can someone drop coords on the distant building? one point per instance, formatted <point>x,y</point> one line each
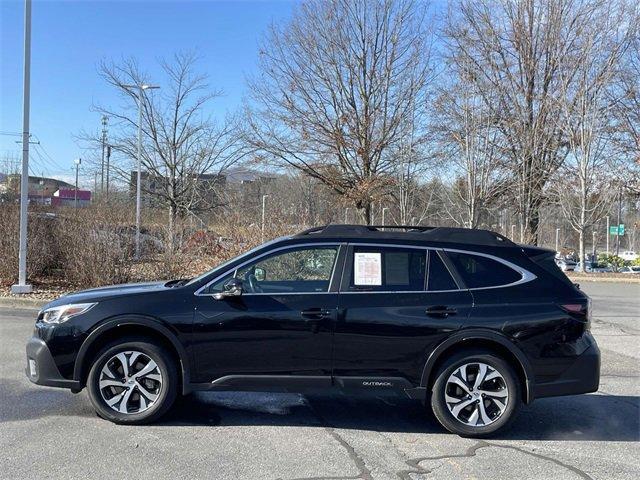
<point>207,185</point>
<point>66,197</point>
<point>41,189</point>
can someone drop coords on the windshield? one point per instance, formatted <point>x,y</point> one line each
<point>231,260</point>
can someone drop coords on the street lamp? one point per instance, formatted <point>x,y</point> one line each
<point>78,162</point>
<point>264,205</point>
<point>141,87</point>
<point>22,286</point>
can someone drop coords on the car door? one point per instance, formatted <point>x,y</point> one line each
<point>396,304</point>
<point>280,325</point>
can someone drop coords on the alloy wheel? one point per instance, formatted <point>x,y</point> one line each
<point>476,394</point>
<point>130,382</point>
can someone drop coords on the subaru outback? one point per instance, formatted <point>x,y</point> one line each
<point>463,320</point>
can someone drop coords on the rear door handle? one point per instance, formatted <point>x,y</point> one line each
<point>315,313</point>
<point>440,311</point>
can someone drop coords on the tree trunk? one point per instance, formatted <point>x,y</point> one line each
<point>173,213</point>
<point>581,248</point>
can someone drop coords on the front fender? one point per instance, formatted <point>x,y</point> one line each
<point>109,325</point>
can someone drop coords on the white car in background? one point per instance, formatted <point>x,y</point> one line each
<point>633,269</point>
<point>629,255</point>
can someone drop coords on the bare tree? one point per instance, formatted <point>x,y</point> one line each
<point>184,152</point>
<point>584,184</point>
<point>469,151</point>
<point>523,57</point>
<point>339,86</point>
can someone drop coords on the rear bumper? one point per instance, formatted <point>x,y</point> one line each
<point>42,370</point>
<point>583,376</point>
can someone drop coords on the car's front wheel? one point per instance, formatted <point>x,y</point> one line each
<point>132,382</point>
<point>475,394</point>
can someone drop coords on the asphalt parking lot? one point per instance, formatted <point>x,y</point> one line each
<point>51,433</point>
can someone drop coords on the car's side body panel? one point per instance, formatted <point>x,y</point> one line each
<point>361,339</point>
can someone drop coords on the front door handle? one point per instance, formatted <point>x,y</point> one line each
<point>315,313</point>
<point>440,311</point>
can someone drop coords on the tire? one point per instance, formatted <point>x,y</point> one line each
<point>117,395</point>
<point>475,412</point>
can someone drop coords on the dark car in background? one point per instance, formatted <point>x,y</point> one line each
<point>464,320</point>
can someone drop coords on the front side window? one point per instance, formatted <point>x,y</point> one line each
<point>302,270</point>
<point>479,271</point>
<point>387,269</point>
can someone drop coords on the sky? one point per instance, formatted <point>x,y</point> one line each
<point>71,38</point>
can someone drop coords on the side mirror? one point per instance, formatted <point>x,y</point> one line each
<point>260,274</point>
<point>232,288</point>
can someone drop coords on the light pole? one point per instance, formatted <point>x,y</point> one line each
<point>22,286</point>
<point>104,145</point>
<point>141,88</point>
<point>78,162</point>
<point>264,206</point>
<point>557,238</point>
<point>619,219</point>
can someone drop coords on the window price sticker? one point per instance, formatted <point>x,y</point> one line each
<point>367,269</point>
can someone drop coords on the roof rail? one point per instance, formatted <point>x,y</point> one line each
<point>434,234</point>
<point>349,228</point>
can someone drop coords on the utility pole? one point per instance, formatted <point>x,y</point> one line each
<point>104,146</point>
<point>141,88</point>
<point>619,219</point>
<point>108,159</point>
<point>75,196</point>
<point>42,188</point>
<point>22,286</point>
<point>264,205</point>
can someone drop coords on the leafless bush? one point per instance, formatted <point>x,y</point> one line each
<point>93,248</point>
<point>42,249</point>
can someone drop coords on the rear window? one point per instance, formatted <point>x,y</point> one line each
<point>388,269</point>
<point>478,271</point>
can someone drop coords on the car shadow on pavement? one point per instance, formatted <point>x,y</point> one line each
<point>576,418</point>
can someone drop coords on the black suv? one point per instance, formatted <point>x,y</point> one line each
<point>464,319</point>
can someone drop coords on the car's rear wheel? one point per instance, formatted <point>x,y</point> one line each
<point>475,394</point>
<point>132,382</point>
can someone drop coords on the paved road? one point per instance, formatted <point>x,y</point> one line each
<point>51,433</point>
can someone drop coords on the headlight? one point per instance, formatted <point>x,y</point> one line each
<point>64,312</point>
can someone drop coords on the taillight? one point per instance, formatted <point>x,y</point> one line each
<point>580,310</point>
<point>573,308</point>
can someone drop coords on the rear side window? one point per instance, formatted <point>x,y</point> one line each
<point>439,276</point>
<point>388,269</point>
<point>478,271</point>
<point>548,263</point>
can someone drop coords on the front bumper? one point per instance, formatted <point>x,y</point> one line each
<point>42,370</point>
<point>583,376</point>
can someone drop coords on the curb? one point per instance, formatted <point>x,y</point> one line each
<point>15,302</point>
<point>628,281</point>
